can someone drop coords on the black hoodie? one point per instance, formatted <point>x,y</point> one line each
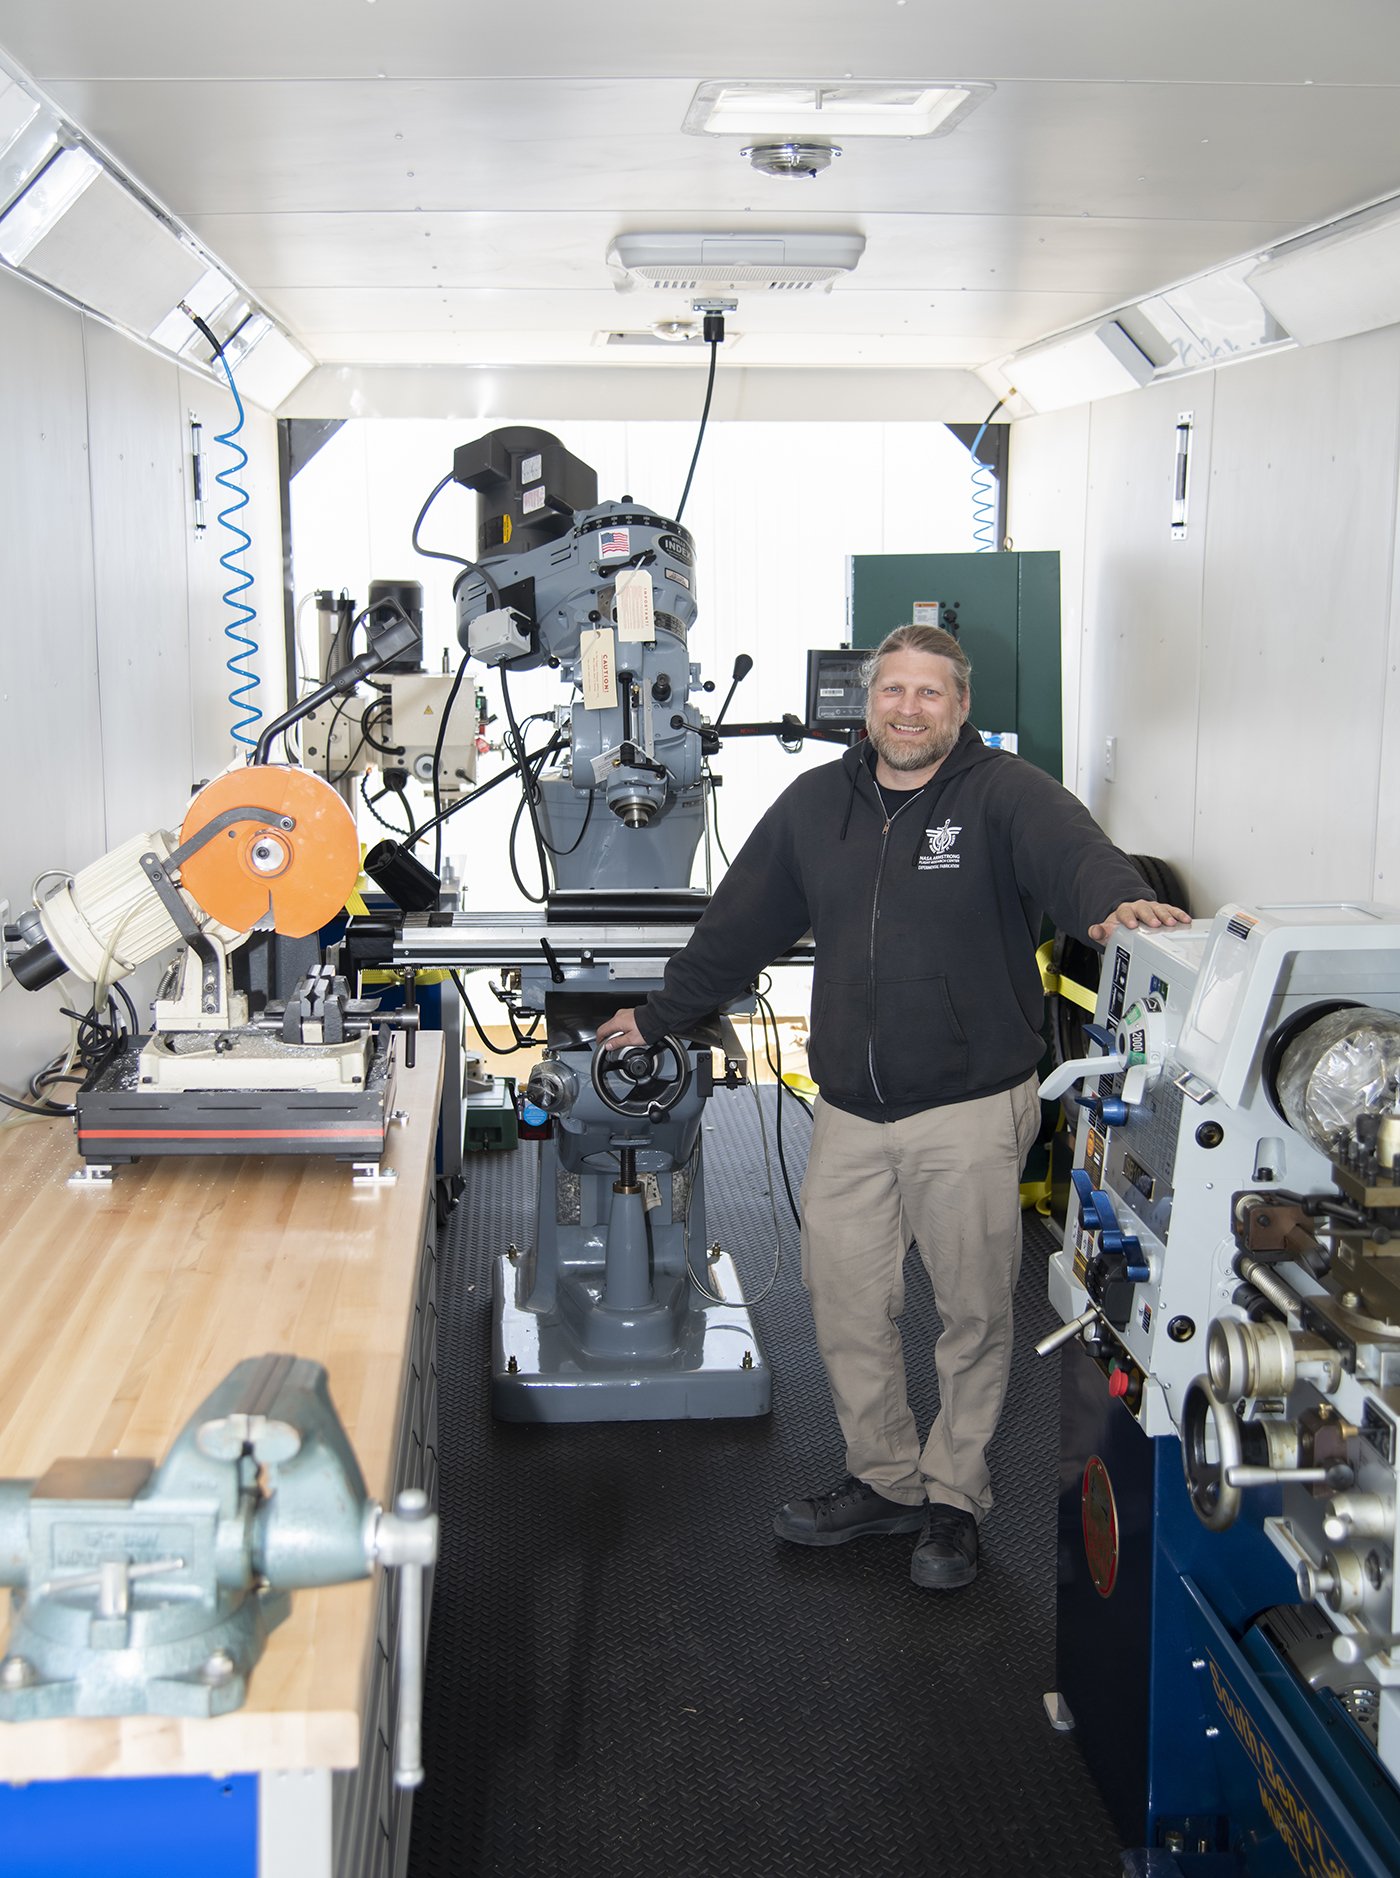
<point>926,926</point>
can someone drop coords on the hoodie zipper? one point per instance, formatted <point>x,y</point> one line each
<point>890,820</point>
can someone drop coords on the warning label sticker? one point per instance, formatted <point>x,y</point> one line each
<point>598,669</point>
<point>614,544</point>
<point>925,613</point>
<point>532,499</point>
<point>634,605</point>
<point>531,469</point>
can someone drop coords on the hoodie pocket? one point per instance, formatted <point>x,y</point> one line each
<point>840,1036</point>
<point>921,1050</point>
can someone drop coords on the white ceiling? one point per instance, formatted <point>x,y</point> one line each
<point>418,182</point>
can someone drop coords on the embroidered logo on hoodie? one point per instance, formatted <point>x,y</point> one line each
<point>940,844</point>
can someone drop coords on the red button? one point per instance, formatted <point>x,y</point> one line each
<point>1118,1382</point>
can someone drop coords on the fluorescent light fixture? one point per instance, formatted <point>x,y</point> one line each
<point>17,112</point>
<point>273,371</point>
<point>47,199</point>
<point>1340,281</point>
<point>919,107</point>
<point>241,341</point>
<point>776,262</point>
<point>1095,364</point>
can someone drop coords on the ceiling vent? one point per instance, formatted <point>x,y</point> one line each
<point>770,263</point>
<point>765,107</point>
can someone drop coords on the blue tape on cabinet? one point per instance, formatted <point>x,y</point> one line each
<point>176,1826</point>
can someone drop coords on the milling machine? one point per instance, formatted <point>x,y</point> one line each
<point>621,1310</point>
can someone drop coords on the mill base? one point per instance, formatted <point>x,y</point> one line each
<point>539,1372</point>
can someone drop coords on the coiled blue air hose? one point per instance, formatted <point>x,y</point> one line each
<point>244,615</point>
<point>984,493</point>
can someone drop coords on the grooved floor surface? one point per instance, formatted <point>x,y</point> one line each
<point>628,1674</point>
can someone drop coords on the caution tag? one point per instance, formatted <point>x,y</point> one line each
<point>603,767</point>
<point>651,1192</point>
<point>635,618</point>
<point>598,669</point>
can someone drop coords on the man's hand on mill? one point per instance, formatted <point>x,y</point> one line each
<point>620,1031</point>
<point>1132,914</point>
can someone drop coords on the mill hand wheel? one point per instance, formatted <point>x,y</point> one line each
<point>631,1081</point>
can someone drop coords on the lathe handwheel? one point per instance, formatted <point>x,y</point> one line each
<point>650,1090</point>
<point>1213,1500</point>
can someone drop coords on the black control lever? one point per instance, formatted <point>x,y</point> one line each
<point>631,758</point>
<point>743,665</point>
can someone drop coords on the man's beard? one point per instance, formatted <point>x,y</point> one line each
<point>899,755</point>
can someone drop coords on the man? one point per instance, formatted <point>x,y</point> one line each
<point>921,861</point>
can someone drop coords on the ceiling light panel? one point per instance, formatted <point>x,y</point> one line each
<point>17,111</point>
<point>1331,285</point>
<point>107,250</point>
<point>1215,317</point>
<point>31,218</point>
<point>773,263</point>
<point>1079,367</point>
<point>725,107</point>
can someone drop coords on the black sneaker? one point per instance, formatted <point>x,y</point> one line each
<point>847,1512</point>
<point>946,1555</point>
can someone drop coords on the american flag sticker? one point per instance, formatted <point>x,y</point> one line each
<point>613,542</point>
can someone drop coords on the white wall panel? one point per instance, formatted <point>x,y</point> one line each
<point>1142,623</point>
<point>1386,879</point>
<point>139,568</point>
<point>50,726</point>
<point>1251,674</point>
<point>1048,484</point>
<point>50,731</point>
<point>1294,633</point>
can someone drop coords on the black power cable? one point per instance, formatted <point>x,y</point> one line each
<point>531,791</point>
<point>714,332</point>
<point>437,756</point>
<point>458,560</point>
<point>766,1010</point>
<point>496,1049</point>
<point>714,817</point>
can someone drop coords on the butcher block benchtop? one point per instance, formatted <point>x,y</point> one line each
<point>120,1309</point>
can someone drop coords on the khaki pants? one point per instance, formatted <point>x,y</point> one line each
<point>949,1178</point>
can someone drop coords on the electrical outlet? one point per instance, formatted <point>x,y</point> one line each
<point>1110,759</point>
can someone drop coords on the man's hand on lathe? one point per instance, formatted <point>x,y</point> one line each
<point>620,1031</point>
<point>1132,914</point>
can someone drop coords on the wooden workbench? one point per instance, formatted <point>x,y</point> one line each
<point>121,1309</point>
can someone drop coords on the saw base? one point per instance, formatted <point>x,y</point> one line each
<point>120,1120</point>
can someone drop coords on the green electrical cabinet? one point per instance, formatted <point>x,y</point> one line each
<point>1007,611</point>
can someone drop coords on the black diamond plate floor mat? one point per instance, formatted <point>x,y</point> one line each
<point>628,1674</point>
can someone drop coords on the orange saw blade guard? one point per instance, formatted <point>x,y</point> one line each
<point>303,875</point>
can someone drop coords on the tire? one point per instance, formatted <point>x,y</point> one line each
<point>1163,879</point>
